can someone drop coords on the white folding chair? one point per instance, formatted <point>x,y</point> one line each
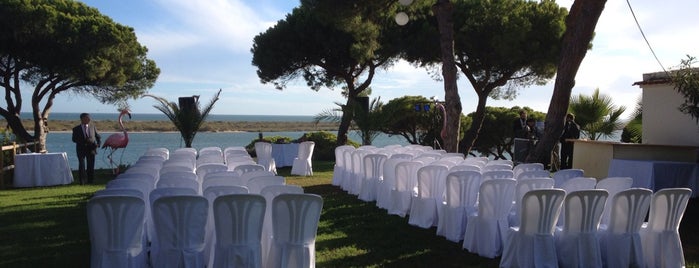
<point>526,167</point>
<point>577,243</point>
<point>373,174</point>
<point>154,195</point>
<point>211,193</point>
<point>489,167</point>
<point>115,241</point>
<point>431,184</point>
<point>264,156</point>
<point>388,182</point>
<point>238,221</point>
<point>528,174</point>
<point>177,182</point>
<point>347,182</point>
<point>302,165</point>
<point>180,225</point>
<point>574,185</point>
<point>176,167</point>
<point>462,195</point>
<point>270,192</point>
<point>161,152</point>
<point>210,168</point>
<point>222,181</point>
<point>295,220</point>
<point>500,161</point>
<point>532,244</point>
<point>497,174</point>
<point>256,184</point>
<point>406,182</point>
<point>521,188</point>
<point>620,241</point>
<point>357,171</point>
<point>246,168</point>
<point>252,174</point>
<point>613,185</point>
<point>465,167</point>
<point>119,192</point>
<point>563,175</point>
<point>662,246</point>
<point>485,229</point>
<point>339,167</point>
<point>180,174</point>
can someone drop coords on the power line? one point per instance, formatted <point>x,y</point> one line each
<point>644,36</point>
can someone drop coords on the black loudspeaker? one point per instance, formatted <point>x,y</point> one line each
<point>188,103</point>
<point>363,102</point>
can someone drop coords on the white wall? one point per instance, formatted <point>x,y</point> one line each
<point>663,123</point>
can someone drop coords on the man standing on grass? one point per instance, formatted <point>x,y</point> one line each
<point>571,130</point>
<point>87,140</point>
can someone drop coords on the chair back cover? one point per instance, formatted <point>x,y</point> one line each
<point>246,168</point>
<point>176,167</point>
<point>526,167</point>
<point>497,174</point>
<point>613,185</point>
<point>533,244</point>
<point>485,230</point>
<point>431,185</point>
<point>162,152</point>
<point>211,193</point>
<point>489,167</point>
<point>210,168</point>
<point>270,192</point>
<point>383,191</point>
<point>259,173</point>
<point>406,184</point>
<point>115,225</point>
<point>238,221</point>
<point>180,174</point>
<point>302,164</point>
<point>180,223</point>
<point>576,184</point>
<point>295,218</point>
<point>256,184</point>
<point>501,161</point>
<point>577,245</point>
<point>347,175</point>
<point>461,197</point>
<point>119,192</point>
<point>563,175</point>
<point>222,181</point>
<point>620,241</point>
<point>465,167</point>
<point>662,246</point>
<point>357,171</point>
<point>373,174</point>
<point>264,156</point>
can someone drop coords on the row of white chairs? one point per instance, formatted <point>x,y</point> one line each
<point>181,219</point>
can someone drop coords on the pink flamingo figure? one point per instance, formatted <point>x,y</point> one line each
<point>117,140</point>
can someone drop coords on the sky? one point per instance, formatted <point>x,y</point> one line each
<point>203,46</point>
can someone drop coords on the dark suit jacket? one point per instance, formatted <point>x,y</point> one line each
<point>84,144</point>
<point>518,129</point>
<point>571,130</point>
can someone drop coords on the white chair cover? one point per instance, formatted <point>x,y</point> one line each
<point>170,182</point>
<point>357,171</point>
<point>526,167</point>
<point>574,185</point>
<point>532,244</point>
<point>119,192</point>
<point>613,185</point>
<point>347,176</point>
<point>465,167</point>
<point>462,194</point>
<point>383,191</point>
<point>180,225</point>
<point>662,246</point>
<point>529,174</point>
<point>115,240</point>
<point>256,184</point>
<point>521,188</point>
<point>431,185</point>
<point>373,174</point>
<point>234,161</point>
<point>210,159</point>
<point>191,151</point>
<point>210,150</point>
<point>162,152</point>
<point>235,150</point>
<point>577,244</point>
<point>489,167</point>
<point>501,161</point>
<point>620,241</point>
<point>180,174</point>
<point>246,168</point>
<point>295,218</point>
<point>563,175</point>
<point>210,168</point>
<point>264,156</point>
<point>485,229</point>
<point>222,181</point>
<point>302,163</point>
<point>270,192</point>
<point>176,167</point>
<point>152,171</point>
<point>406,182</point>
<point>339,168</point>
<point>497,174</point>
<point>154,195</point>
<point>238,221</point>
<point>252,174</point>
<point>211,193</point>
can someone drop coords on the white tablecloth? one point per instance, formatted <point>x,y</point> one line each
<point>656,175</point>
<point>42,170</point>
<point>284,154</point>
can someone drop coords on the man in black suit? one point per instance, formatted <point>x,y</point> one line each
<point>519,126</point>
<point>87,140</point>
<point>571,130</point>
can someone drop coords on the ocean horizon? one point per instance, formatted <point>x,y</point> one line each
<point>162,117</point>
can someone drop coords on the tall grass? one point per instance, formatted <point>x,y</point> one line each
<point>47,227</point>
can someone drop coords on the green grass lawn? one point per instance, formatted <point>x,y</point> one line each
<point>47,227</point>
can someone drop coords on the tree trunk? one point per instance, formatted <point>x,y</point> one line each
<point>445,20</point>
<point>345,122</point>
<point>472,133</point>
<point>580,27</point>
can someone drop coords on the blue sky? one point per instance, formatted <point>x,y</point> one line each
<point>201,46</point>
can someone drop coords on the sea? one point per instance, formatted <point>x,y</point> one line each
<point>139,142</point>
